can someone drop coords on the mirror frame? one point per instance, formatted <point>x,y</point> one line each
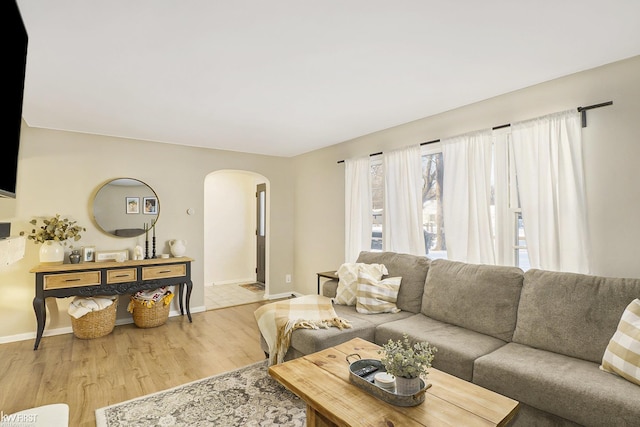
<point>120,211</point>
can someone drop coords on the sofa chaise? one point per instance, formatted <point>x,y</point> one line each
<point>536,336</point>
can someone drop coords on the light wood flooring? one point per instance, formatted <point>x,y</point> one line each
<point>128,363</point>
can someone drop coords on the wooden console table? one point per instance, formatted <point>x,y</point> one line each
<point>110,278</point>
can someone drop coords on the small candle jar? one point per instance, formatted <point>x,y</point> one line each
<point>385,381</point>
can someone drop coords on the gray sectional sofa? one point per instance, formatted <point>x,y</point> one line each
<point>536,336</point>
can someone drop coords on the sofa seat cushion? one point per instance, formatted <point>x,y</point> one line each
<point>352,314</point>
<point>572,314</point>
<point>457,347</point>
<point>482,298</point>
<point>528,416</point>
<point>413,270</point>
<point>570,388</point>
<point>308,341</point>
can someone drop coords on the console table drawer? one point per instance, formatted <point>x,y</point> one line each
<point>122,275</point>
<point>71,280</point>
<point>164,271</point>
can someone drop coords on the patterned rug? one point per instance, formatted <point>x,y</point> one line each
<point>245,397</point>
<point>254,287</point>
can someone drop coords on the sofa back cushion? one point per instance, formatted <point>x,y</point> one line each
<point>572,314</point>
<point>413,270</point>
<point>482,298</point>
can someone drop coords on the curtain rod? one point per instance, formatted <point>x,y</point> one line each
<point>582,110</point>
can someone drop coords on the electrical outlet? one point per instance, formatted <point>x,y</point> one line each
<point>287,278</point>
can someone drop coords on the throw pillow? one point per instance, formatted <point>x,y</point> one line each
<point>348,280</point>
<point>378,296</point>
<point>622,355</point>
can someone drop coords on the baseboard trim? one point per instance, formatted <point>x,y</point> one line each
<point>282,295</point>
<point>69,329</point>
<point>234,281</point>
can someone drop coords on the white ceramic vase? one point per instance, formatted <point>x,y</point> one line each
<point>407,386</point>
<point>51,253</point>
<point>178,247</point>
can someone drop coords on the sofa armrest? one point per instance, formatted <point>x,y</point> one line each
<point>329,288</point>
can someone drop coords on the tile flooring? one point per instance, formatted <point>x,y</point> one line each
<point>219,296</point>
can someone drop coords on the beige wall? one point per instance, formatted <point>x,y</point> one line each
<point>59,172</point>
<point>612,150</point>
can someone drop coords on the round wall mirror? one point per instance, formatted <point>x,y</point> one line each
<point>124,206</point>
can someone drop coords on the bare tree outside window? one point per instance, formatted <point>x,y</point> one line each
<point>377,201</point>
<point>434,231</point>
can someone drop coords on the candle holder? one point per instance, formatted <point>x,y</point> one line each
<point>146,241</point>
<point>153,239</point>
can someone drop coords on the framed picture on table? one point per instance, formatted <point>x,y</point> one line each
<point>88,253</point>
<point>119,256</point>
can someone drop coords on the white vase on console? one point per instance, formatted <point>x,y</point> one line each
<point>51,253</point>
<point>178,247</point>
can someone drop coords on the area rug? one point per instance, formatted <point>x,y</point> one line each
<point>254,287</point>
<point>245,397</point>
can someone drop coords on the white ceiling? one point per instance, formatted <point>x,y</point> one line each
<point>284,77</point>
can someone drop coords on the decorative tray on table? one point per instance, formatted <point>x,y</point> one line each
<point>360,376</point>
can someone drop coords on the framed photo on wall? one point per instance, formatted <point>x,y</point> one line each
<point>150,205</point>
<point>133,205</point>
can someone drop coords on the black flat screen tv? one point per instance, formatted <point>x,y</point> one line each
<point>15,64</point>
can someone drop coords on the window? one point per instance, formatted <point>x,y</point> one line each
<point>433,223</point>
<point>432,219</point>
<point>520,244</point>
<point>518,240</point>
<point>513,240</point>
<point>377,201</point>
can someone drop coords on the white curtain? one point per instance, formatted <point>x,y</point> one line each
<point>403,231</point>
<point>466,197</point>
<point>549,168</point>
<point>357,207</point>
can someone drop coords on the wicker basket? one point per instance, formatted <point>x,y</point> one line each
<point>149,317</point>
<point>95,324</point>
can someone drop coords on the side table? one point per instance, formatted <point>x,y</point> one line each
<point>326,275</point>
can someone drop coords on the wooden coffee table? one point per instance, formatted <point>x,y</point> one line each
<point>322,380</point>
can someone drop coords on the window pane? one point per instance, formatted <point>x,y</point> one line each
<point>432,220</point>
<point>262,210</point>
<point>522,255</point>
<point>377,201</point>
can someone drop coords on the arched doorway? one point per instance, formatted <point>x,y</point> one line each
<point>235,222</point>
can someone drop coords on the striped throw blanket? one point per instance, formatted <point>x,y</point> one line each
<point>278,320</point>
